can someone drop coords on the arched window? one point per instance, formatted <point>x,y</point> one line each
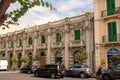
<point>77,34</point>
<point>20,42</point>
<point>58,37</point>
<point>4,44</point>
<point>12,44</point>
<point>42,39</point>
<point>30,41</point>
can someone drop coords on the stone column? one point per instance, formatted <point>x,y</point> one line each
<point>35,43</point>
<point>66,42</point>
<point>48,44</point>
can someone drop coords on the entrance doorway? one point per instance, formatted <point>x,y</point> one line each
<point>30,58</point>
<point>10,61</point>
<point>19,62</point>
<point>111,61</point>
<point>42,61</point>
<point>58,57</point>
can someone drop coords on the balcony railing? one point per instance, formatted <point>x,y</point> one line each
<point>111,38</point>
<point>3,49</point>
<point>105,13</point>
<point>29,47</point>
<point>10,48</point>
<point>18,47</point>
<point>57,44</point>
<point>77,43</point>
<point>42,46</point>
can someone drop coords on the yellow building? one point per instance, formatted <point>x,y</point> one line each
<point>57,41</point>
<point>107,32</point>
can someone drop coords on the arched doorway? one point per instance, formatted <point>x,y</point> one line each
<point>10,61</point>
<point>58,57</point>
<point>19,62</point>
<point>30,58</point>
<point>3,54</point>
<point>42,61</point>
<point>110,61</point>
<point>75,60</point>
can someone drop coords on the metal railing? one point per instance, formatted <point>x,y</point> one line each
<point>105,13</point>
<point>77,43</point>
<point>111,38</point>
<point>57,44</point>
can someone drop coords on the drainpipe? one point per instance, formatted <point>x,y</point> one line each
<point>93,52</point>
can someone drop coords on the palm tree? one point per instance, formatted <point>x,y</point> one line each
<point>81,56</point>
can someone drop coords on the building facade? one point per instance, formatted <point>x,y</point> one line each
<point>107,32</point>
<point>57,41</point>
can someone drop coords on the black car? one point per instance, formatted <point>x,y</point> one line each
<point>112,74</point>
<point>51,70</point>
<point>28,69</point>
<point>81,71</point>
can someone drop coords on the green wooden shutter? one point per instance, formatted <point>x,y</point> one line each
<point>42,39</point>
<point>12,44</point>
<point>20,42</point>
<point>4,44</point>
<point>112,32</point>
<point>58,37</point>
<point>110,7</point>
<point>77,34</point>
<point>30,41</point>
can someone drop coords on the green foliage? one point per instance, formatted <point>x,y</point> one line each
<point>37,57</point>
<point>25,5</point>
<point>81,56</point>
<point>24,59</point>
<point>4,58</point>
<point>115,56</point>
<point>14,59</point>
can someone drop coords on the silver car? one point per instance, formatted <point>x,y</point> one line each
<point>79,71</point>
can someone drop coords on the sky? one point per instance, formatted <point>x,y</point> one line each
<point>65,8</point>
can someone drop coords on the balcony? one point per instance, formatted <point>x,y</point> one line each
<point>18,47</point>
<point>111,39</point>
<point>111,13</point>
<point>10,48</point>
<point>42,46</point>
<point>77,43</point>
<point>3,49</point>
<point>28,47</point>
<point>57,45</point>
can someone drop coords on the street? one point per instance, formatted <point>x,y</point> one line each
<point>22,76</point>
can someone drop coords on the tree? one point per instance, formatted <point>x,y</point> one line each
<point>36,57</point>
<point>24,59</point>
<point>116,56</point>
<point>14,60</point>
<point>17,13</point>
<point>81,56</point>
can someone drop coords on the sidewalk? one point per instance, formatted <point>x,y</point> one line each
<point>16,71</point>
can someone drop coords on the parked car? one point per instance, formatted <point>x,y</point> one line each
<point>79,71</point>
<point>111,74</point>
<point>51,70</point>
<point>28,69</point>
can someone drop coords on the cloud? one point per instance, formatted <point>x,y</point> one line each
<point>65,8</point>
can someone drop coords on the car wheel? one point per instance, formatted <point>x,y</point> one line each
<point>62,76</point>
<point>29,72</point>
<point>82,75</point>
<point>53,75</point>
<point>36,74</point>
<point>106,77</point>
